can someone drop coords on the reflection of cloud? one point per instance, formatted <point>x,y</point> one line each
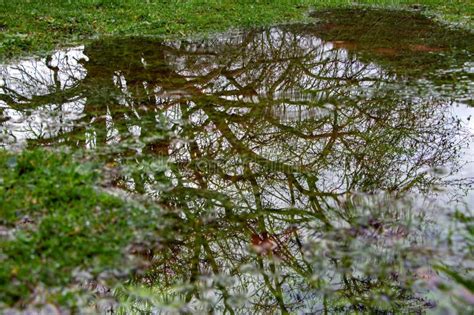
<point>36,82</point>
<point>466,116</point>
<point>32,77</point>
<point>41,123</point>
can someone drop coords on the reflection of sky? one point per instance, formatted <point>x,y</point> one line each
<point>64,70</point>
<point>40,123</point>
<point>34,77</point>
<point>466,115</point>
<point>39,77</point>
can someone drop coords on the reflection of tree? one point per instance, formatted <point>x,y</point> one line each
<point>271,131</point>
<point>42,97</point>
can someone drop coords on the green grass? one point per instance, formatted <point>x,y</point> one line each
<point>29,26</point>
<point>54,220</point>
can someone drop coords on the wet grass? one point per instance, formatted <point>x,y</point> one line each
<point>39,26</point>
<point>419,45</point>
<point>55,227</point>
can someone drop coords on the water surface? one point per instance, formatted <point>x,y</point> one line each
<point>300,165</point>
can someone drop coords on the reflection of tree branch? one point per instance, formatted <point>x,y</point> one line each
<point>230,102</point>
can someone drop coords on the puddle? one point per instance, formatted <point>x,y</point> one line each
<point>279,151</point>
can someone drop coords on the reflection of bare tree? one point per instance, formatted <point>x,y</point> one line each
<point>271,131</point>
<point>41,99</point>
